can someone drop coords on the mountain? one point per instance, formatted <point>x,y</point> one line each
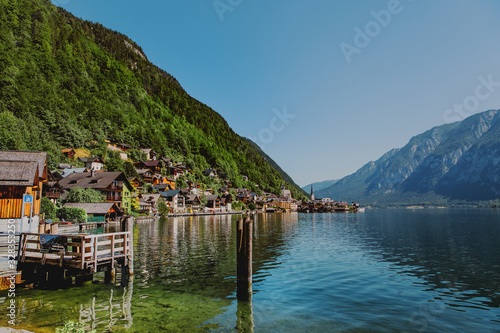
<point>70,83</point>
<point>319,185</point>
<point>275,165</point>
<point>449,163</point>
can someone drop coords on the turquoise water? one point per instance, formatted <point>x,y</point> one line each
<point>434,270</point>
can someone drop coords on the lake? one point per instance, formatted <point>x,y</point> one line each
<point>432,270</point>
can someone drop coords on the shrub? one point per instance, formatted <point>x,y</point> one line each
<point>85,195</point>
<point>48,208</point>
<point>71,213</point>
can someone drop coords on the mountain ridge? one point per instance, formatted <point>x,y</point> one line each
<point>319,185</point>
<point>448,163</point>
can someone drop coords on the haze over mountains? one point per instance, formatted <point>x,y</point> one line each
<point>446,164</point>
<point>319,185</point>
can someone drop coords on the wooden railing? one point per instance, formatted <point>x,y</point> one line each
<point>79,251</point>
<point>53,195</point>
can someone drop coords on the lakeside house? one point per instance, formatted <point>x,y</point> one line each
<point>92,163</point>
<point>150,154</point>
<point>287,194</point>
<point>135,182</point>
<point>149,203</point>
<point>175,199</point>
<point>210,173</point>
<point>122,153</point>
<point>69,153</point>
<point>113,185</point>
<point>68,171</point>
<point>193,202</point>
<point>21,172</point>
<point>51,189</point>
<point>108,211</point>
<point>146,175</point>
<point>155,166</point>
<point>162,187</point>
<point>213,202</point>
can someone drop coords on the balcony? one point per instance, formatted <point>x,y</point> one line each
<point>113,198</point>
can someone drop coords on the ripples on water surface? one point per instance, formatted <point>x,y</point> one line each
<point>379,271</point>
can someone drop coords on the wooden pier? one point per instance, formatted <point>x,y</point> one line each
<point>48,259</point>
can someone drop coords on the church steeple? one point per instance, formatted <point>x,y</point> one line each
<point>312,193</point>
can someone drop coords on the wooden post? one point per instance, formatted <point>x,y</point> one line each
<point>244,238</point>
<point>110,275</point>
<point>54,228</point>
<point>128,263</point>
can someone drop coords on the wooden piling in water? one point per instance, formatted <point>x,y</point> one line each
<point>128,226</point>
<point>244,239</point>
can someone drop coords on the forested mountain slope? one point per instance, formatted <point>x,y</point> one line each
<point>70,83</point>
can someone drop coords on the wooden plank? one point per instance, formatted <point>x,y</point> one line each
<point>31,250</point>
<point>104,252</point>
<point>25,244</point>
<point>112,252</point>
<point>95,255</point>
<point>103,243</point>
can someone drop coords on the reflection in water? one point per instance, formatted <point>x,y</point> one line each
<point>381,271</point>
<point>190,265</point>
<point>98,306</point>
<point>244,314</point>
<point>113,314</point>
<point>457,255</point>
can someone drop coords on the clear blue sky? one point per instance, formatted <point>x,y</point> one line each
<point>321,98</point>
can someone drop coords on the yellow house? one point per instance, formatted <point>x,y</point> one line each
<point>21,173</point>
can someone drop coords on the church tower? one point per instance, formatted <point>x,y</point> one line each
<point>312,193</point>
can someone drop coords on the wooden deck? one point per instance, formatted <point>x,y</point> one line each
<point>85,253</point>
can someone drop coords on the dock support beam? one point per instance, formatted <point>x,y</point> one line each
<point>244,238</point>
<point>128,264</point>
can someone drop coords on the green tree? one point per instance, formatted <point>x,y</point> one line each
<point>203,199</point>
<point>48,208</point>
<point>162,208</point>
<point>85,195</point>
<point>238,205</point>
<point>72,213</point>
<point>129,170</point>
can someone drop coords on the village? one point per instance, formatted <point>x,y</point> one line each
<point>78,219</point>
<point>160,182</point>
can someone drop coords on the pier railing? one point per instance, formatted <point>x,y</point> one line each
<point>85,252</point>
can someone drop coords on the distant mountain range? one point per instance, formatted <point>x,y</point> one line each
<point>319,185</point>
<point>452,163</point>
